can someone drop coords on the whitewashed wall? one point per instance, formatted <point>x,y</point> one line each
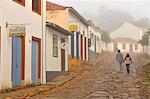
<point>54,63</point>
<point>14,13</point>
<point>98,43</point>
<point>74,20</point>
<point>94,32</point>
<point>127,47</point>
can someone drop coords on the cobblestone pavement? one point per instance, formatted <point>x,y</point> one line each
<point>103,81</point>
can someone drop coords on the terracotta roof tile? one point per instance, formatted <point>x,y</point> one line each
<point>53,6</point>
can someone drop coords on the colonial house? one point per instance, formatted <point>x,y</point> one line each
<point>126,38</point>
<point>125,45</point>
<point>69,19</point>
<point>56,50</point>
<point>98,41</point>
<point>94,40</point>
<point>21,28</point>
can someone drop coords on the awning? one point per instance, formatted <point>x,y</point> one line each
<point>57,28</point>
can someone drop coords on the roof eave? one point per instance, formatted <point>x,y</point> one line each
<point>57,28</point>
<point>78,15</point>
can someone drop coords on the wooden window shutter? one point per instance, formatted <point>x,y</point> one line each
<point>36,6</point>
<point>22,2</point>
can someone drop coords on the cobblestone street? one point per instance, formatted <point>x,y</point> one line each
<point>102,82</point>
<point>101,79</point>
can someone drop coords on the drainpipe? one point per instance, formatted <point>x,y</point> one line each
<point>43,42</point>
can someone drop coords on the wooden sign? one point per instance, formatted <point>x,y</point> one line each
<point>17,31</point>
<point>17,34</point>
<point>73,28</point>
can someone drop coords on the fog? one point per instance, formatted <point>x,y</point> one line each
<point>110,14</point>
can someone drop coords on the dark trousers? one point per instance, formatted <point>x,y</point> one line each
<point>128,66</point>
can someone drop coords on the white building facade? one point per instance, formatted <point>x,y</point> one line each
<point>94,35</point>
<point>68,17</point>
<point>80,36</point>
<point>98,40</point>
<point>56,49</point>
<point>22,25</point>
<point>126,38</point>
<point>125,45</point>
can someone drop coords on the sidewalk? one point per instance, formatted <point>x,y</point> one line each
<point>30,91</point>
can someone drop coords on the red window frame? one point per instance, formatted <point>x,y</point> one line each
<point>38,11</point>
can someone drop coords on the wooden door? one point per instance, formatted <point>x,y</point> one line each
<point>16,60</point>
<point>72,44</point>
<point>77,45</point>
<point>63,55</point>
<point>63,59</point>
<point>81,47</point>
<point>85,49</point>
<point>35,60</point>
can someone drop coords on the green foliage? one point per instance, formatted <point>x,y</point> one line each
<point>144,40</point>
<point>105,37</point>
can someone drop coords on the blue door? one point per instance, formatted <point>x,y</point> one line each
<point>72,44</point>
<point>35,56</point>
<point>77,44</point>
<point>16,60</point>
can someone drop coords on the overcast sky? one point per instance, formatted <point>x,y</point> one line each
<point>137,8</point>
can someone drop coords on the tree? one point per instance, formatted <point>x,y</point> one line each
<point>105,37</point>
<point>144,41</point>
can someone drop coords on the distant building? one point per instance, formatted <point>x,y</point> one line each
<point>125,45</point>
<point>94,35</point>
<point>92,40</point>
<point>98,40</point>
<point>126,38</point>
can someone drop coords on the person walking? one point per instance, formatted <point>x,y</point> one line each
<point>128,61</point>
<point>119,58</point>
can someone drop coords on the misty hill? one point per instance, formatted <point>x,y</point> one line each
<point>109,20</point>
